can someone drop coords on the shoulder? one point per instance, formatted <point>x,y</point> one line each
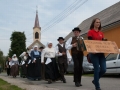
<point>90,31</point>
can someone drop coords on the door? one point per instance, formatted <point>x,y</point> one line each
<point>111,63</point>
<point>118,64</point>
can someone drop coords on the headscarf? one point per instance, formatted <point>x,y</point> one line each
<point>48,43</point>
<point>23,54</point>
<point>14,59</point>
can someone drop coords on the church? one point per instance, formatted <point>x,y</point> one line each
<point>36,34</point>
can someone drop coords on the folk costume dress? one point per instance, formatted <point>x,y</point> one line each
<point>36,67</point>
<point>51,67</point>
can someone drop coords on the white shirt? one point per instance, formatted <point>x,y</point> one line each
<point>48,53</point>
<point>60,54</point>
<point>68,44</point>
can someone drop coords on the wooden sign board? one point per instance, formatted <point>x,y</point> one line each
<point>95,46</point>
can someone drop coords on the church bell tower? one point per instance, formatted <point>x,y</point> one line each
<point>36,29</point>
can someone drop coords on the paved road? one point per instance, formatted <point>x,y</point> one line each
<point>107,83</point>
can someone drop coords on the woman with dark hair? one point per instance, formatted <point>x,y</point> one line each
<point>98,59</point>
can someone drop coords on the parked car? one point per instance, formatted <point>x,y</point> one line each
<point>113,63</point>
<point>87,67</point>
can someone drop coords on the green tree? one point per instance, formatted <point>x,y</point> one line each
<point>18,43</point>
<point>2,59</point>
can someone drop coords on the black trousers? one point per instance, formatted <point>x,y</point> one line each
<point>8,71</point>
<point>78,60</point>
<point>63,69</point>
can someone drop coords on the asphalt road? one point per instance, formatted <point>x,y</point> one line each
<point>107,83</point>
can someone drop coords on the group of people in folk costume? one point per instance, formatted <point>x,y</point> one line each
<point>44,65</point>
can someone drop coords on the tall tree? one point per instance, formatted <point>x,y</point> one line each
<point>18,43</point>
<point>2,59</point>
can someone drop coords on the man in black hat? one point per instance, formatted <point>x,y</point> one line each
<point>74,44</point>
<point>63,55</point>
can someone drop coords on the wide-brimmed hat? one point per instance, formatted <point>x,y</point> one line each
<point>76,29</point>
<point>60,38</point>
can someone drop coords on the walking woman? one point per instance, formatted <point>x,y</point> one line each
<point>51,68</point>
<point>23,64</point>
<point>98,59</point>
<point>14,66</point>
<point>36,64</point>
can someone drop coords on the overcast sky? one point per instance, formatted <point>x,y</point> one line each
<point>19,15</point>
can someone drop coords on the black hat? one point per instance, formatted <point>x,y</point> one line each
<point>76,29</point>
<point>60,38</point>
<point>41,47</point>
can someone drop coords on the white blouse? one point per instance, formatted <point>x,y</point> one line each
<point>68,43</point>
<point>60,54</point>
<point>48,53</point>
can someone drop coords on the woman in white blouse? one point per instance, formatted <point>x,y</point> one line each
<point>51,68</point>
<point>14,66</point>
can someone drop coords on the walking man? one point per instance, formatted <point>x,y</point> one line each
<point>74,43</point>
<point>63,55</point>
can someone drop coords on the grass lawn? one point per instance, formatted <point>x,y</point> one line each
<point>7,86</point>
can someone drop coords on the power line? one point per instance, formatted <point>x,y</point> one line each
<point>61,14</point>
<point>63,17</point>
<point>64,11</point>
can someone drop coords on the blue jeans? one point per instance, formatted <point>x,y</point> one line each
<point>99,62</point>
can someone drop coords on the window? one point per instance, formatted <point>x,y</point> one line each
<point>119,56</point>
<point>36,35</point>
<point>111,57</point>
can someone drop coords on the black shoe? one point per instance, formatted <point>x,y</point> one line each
<point>93,82</point>
<point>98,89</point>
<point>64,81</point>
<point>77,84</point>
<point>49,81</point>
<point>80,84</point>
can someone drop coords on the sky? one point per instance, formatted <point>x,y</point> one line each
<point>57,18</point>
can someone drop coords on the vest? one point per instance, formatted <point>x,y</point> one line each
<point>74,49</point>
<point>62,59</point>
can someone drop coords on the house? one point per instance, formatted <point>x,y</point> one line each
<point>110,21</point>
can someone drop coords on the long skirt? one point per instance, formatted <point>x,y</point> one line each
<point>34,70</point>
<point>23,70</point>
<point>51,71</point>
<point>14,70</point>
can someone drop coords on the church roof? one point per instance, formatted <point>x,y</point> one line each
<point>38,43</point>
<point>108,17</point>
<point>36,25</point>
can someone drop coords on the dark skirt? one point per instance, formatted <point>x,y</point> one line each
<point>34,70</point>
<point>23,70</point>
<point>14,70</point>
<point>51,70</point>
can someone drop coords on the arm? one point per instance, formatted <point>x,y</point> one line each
<point>68,55</point>
<point>68,44</point>
<point>32,54</point>
<point>57,51</point>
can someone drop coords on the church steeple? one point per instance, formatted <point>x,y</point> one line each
<point>36,29</point>
<point>36,25</point>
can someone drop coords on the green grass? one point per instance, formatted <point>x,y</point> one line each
<point>7,86</point>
